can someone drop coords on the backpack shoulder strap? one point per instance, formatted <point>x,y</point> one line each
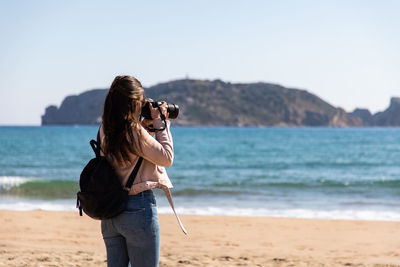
<point>134,172</point>
<point>96,144</point>
<point>98,140</point>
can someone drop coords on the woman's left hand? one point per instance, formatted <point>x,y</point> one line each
<point>155,113</point>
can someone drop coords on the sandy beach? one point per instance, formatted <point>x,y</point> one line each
<point>46,238</point>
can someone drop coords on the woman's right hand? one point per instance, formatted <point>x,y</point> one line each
<point>155,113</point>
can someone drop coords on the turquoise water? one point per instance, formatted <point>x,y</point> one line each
<point>347,173</point>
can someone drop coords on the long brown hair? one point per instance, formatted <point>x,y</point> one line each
<point>120,117</point>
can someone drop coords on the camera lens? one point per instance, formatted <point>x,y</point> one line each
<point>173,111</point>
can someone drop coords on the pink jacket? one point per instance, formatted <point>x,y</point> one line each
<point>157,153</point>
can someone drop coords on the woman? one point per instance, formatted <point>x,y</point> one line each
<point>133,236</point>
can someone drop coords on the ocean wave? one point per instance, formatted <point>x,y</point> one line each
<point>31,187</point>
<point>265,186</point>
<point>7,182</point>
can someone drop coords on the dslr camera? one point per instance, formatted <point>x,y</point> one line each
<point>172,109</point>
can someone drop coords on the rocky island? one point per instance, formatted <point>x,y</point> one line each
<point>218,103</point>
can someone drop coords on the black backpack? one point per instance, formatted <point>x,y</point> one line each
<point>101,194</point>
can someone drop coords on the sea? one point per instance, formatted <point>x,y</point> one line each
<point>332,173</point>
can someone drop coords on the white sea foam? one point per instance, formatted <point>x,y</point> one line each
<point>7,182</point>
<point>23,205</point>
<point>347,214</point>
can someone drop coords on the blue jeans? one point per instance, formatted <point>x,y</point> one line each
<point>134,235</point>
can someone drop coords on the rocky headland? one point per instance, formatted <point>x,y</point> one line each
<point>218,103</point>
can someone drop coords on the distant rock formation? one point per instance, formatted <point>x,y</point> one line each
<point>217,103</point>
<point>364,114</point>
<point>389,117</point>
<point>83,109</point>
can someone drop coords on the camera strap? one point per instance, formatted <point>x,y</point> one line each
<point>161,114</point>
<point>156,130</point>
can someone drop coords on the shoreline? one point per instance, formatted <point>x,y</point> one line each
<point>62,238</point>
<point>68,205</point>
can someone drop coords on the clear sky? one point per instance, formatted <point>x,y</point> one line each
<point>346,52</point>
